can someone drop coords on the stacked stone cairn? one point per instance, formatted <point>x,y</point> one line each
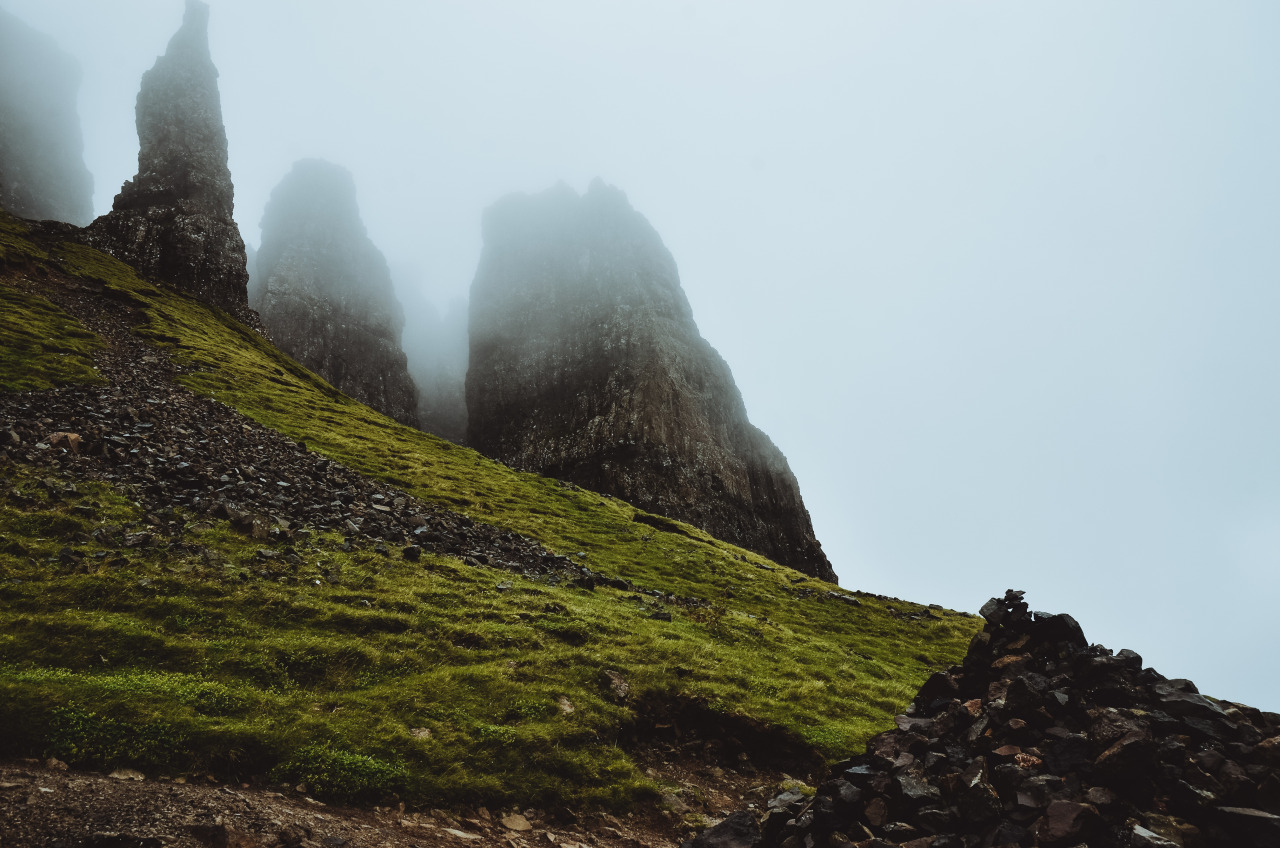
<point>1040,739</point>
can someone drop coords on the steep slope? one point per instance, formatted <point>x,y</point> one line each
<point>173,221</point>
<point>586,365</point>
<point>327,298</point>
<point>235,569</point>
<point>42,170</point>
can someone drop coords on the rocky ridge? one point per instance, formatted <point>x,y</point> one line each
<point>173,221</point>
<point>42,170</point>
<point>1040,739</point>
<point>586,365</point>
<point>326,293</point>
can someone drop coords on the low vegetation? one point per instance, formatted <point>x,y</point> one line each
<point>363,675</point>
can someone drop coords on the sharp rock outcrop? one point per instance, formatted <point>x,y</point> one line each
<point>173,221</point>
<point>42,170</point>
<point>1041,739</point>
<point>327,298</point>
<point>586,365</point>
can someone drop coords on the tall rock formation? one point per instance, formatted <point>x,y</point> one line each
<point>586,365</point>
<point>327,298</point>
<point>173,220</point>
<point>42,171</point>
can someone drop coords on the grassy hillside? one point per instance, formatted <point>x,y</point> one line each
<point>361,674</point>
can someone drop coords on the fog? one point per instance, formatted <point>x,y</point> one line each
<point>999,279</point>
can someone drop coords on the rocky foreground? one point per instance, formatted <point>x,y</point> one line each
<point>1040,739</point>
<point>46,804</point>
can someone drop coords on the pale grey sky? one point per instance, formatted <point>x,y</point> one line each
<point>999,278</point>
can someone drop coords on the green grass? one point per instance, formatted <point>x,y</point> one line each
<point>362,675</point>
<point>42,345</point>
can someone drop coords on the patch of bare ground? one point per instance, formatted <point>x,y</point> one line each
<point>49,805</point>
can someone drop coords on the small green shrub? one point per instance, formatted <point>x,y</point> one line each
<point>341,775</point>
<point>78,735</point>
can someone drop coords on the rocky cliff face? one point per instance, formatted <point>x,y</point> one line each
<point>173,220</point>
<point>327,298</point>
<point>586,365</point>
<point>42,171</point>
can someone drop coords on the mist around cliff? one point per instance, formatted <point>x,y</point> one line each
<point>998,281</point>
<point>437,352</point>
<point>42,170</point>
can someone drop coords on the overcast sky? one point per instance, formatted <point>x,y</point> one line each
<point>1000,278</point>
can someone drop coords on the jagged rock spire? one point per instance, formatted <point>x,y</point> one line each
<point>173,220</point>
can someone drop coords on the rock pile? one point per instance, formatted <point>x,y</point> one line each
<point>1040,739</point>
<point>42,170</point>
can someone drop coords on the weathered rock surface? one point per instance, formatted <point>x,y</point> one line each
<point>173,221</point>
<point>42,170</point>
<point>586,365</point>
<point>327,298</point>
<point>1040,739</point>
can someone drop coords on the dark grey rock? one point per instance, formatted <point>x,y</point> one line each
<point>738,830</point>
<point>586,365</point>
<point>173,221</point>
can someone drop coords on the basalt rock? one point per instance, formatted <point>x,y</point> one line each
<point>586,365</point>
<point>327,298</point>
<point>1040,739</point>
<point>173,221</point>
<point>42,170</point>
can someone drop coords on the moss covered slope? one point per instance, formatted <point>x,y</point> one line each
<point>424,679</point>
